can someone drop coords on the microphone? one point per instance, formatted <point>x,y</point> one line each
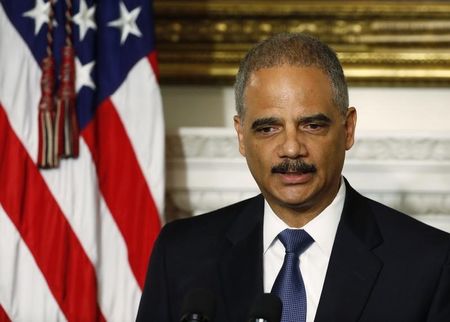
<point>198,306</point>
<point>266,308</point>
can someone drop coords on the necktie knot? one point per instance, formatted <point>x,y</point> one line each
<point>295,240</point>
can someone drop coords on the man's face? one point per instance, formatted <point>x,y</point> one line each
<point>294,137</point>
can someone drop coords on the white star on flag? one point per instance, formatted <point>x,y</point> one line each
<point>39,13</point>
<point>83,75</point>
<point>127,22</point>
<point>85,19</point>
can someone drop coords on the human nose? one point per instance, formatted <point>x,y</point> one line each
<point>292,146</point>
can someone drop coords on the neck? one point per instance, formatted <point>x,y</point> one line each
<point>297,216</point>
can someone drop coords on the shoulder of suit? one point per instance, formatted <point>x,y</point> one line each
<point>394,221</point>
<point>212,222</point>
<point>397,223</point>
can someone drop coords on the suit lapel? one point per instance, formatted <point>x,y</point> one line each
<point>353,268</point>
<point>241,266</point>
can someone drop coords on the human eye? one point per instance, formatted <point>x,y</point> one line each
<point>266,130</point>
<point>266,126</point>
<point>315,127</point>
<point>315,124</point>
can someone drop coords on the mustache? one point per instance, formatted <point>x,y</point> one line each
<point>298,166</point>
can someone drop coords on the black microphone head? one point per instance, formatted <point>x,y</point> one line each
<point>198,305</point>
<point>267,307</point>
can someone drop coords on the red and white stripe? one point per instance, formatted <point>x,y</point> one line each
<point>74,242</point>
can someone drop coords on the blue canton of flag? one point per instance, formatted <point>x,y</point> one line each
<point>109,38</point>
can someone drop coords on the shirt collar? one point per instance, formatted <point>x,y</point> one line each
<point>322,228</point>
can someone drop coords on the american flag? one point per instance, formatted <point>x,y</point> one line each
<point>75,240</point>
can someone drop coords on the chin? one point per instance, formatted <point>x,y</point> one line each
<point>296,204</point>
<point>298,195</point>
<point>293,202</point>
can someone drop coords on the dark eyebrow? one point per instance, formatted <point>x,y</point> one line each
<point>315,118</point>
<point>264,121</point>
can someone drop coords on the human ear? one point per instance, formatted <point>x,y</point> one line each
<point>238,126</point>
<point>350,125</point>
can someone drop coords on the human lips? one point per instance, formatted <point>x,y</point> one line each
<point>291,178</point>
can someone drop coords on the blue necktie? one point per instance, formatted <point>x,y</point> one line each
<point>289,284</point>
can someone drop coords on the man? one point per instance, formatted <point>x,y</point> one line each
<point>362,261</point>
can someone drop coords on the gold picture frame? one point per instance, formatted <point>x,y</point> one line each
<point>386,43</point>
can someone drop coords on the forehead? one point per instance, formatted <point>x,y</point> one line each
<point>288,86</point>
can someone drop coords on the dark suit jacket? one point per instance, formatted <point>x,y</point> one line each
<point>384,266</point>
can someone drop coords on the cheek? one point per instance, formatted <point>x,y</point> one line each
<point>253,152</point>
<point>327,155</point>
<point>333,158</point>
<point>259,155</point>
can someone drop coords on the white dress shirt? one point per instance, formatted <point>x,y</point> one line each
<point>314,260</point>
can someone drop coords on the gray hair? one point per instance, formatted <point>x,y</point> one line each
<point>296,50</point>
